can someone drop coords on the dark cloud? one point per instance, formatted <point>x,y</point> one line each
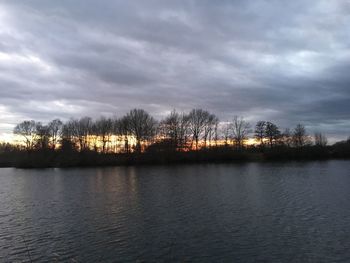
<point>284,61</point>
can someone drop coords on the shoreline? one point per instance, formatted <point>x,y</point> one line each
<point>56,159</point>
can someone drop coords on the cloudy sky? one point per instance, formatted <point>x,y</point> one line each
<point>283,61</point>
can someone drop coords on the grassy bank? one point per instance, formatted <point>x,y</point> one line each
<point>73,158</point>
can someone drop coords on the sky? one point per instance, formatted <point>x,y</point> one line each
<point>282,61</point>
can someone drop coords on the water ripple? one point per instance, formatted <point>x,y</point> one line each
<point>296,212</point>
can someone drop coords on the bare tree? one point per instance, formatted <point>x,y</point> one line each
<point>122,129</point>
<point>55,130</point>
<point>209,127</point>
<point>94,136</point>
<point>42,139</point>
<point>240,130</point>
<point>272,133</point>
<point>216,131</point>
<point>78,131</point>
<point>68,131</point>
<point>104,129</point>
<point>141,125</point>
<point>197,120</point>
<point>300,138</point>
<point>183,132</point>
<point>287,138</point>
<point>83,130</point>
<point>174,129</point>
<point>320,139</point>
<point>116,136</point>
<point>226,132</point>
<point>27,129</point>
<point>260,132</point>
<point>169,129</point>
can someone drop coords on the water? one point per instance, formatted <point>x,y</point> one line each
<point>268,212</point>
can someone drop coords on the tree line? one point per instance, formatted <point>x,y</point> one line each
<point>138,131</point>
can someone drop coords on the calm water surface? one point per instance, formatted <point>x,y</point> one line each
<point>268,212</point>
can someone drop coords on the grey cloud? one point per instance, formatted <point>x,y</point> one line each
<point>285,61</point>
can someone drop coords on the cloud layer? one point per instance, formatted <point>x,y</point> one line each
<point>284,61</point>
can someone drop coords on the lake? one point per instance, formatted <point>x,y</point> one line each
<point>253,212</point>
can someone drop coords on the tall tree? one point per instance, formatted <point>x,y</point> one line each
<point>183,131</point>
<point>78,131</point>
<point>141,125</point>
<point>55,130</point>
<point>226,132</point>
<point>123,131</point>
<point>27,129</point>
<point>287,138</point>
<point>174,129</point>
<point>260,132</point>
<point>272,133</point>
<point>216,132</point>
<point>197,121</point>
<point>300,138</point>
<point>83,131</point>
<point>42,139</point>
<point>240,130</point>
<point>169,129</point>
<point>320,139</point>
<point>209,127</point>
<point>104,129</point>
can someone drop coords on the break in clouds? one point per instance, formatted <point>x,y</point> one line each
<point>283,61</point>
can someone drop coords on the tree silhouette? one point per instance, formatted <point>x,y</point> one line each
<point>104,130</point>
<point>27,129</point>
<point>260,132</point>
<point>300,137</point>
<point>86,141</point>
<point>240,130</point>
<point>141,125</point>
<point>272,133</point>
<point>55,130</point>
<point>320,139</point>
<point>174,129</point>
<point>42,138</point>
<point>197,121</point>
<point>287,138</point>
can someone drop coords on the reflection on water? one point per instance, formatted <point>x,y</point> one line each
<point>296,212</point>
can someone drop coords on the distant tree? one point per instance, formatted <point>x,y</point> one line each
<point>78,131</point>
<point>226,132</point>
<point>83,130</point>
<point>141,125</point>
<point>55,130</point>
<point>287,138</point>
<point>115,136</point>
<point>216,131</point>
<point>122,129</point>
<point>94,136</point>
<point>104,130</point>
<point>260,132</point>
<point>320,139</point>
<point>42,139</point>
<point>183,131</point>
<point>68,132</point>
<point>272,133</point>
<point>169,129</point>
<point>240,130</point>
<point>209,127</point>
<point>27,129</point>
<point>174,129</point>
<point>300,138</point>
<point>197,121</point>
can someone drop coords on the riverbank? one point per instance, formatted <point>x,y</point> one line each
<point>50,158</point>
